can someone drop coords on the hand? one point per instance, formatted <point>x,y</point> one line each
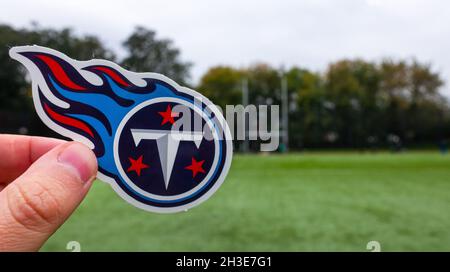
<point>42,181</point>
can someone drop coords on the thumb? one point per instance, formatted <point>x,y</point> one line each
<point>37,203</point>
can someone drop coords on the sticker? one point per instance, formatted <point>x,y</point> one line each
<point>162,147</point>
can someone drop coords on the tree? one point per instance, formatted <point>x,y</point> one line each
<point>352,85</point>
<point>15,91</point>
<point>13,85</point>
<point>222,84</point>
<point>312,118</point>
<point>414,106</point>
<point>147,53</point>
<point>66,41</point>
<point>264,83</point>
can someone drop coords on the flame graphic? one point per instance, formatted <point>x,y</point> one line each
<point>63,94</point>
<point>89,101</point>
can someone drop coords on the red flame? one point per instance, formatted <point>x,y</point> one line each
<point>112,74</point>
<point>59,73</point>
<point>67,120</point>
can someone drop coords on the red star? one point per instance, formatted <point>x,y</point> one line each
<point>137,165</point>
<point>195,167</point>
<point>168,115</point>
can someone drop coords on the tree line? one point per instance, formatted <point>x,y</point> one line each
<point>354,103</point>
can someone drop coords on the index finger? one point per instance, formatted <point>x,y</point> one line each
<point>19,152</point>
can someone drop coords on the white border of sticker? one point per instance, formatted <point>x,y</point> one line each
<point>137,79</point>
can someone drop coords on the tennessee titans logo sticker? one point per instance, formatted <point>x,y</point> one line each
<point>162,147</point>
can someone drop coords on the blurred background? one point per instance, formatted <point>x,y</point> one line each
<point>363,86</point>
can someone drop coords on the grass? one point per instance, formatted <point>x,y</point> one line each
<point>297,202</point>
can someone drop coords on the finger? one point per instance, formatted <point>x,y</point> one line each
<point>34,205</point>
<point>19,152</point>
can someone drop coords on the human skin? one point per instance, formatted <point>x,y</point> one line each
<point>42,181</point>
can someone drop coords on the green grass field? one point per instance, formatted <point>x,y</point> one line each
<point>297,202</point>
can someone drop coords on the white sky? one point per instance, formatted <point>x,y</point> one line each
<point>307,33</point>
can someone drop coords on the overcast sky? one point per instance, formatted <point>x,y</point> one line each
<point>308,33</point>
